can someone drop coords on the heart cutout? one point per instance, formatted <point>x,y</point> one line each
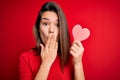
<point>80,33</point>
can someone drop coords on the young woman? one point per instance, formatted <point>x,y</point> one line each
<point>53,58</point>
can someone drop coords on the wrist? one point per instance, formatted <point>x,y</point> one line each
<point>77,60</point>
<point>77,63</point>
<point>46,65</point>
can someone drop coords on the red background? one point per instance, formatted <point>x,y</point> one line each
<point>102,48</point>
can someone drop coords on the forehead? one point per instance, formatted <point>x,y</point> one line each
<point>49,15</point>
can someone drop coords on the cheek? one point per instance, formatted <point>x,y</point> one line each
<point>43,35</point>
<point>57,33</point>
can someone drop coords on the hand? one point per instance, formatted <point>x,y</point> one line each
<point>76,51</point>
<point>49,51</point>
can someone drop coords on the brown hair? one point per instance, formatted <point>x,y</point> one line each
<point>64,43</point>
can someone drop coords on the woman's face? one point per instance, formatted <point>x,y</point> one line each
<point>49,25</point>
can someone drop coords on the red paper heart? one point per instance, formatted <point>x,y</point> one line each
<point>80,33</point>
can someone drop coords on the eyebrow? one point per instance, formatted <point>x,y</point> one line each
<point>47,19</point>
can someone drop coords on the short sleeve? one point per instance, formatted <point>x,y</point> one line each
<point>24,68</point>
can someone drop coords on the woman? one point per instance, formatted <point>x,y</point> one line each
<point>53,58</point>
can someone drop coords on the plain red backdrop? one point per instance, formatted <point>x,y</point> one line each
<point>102,51</point>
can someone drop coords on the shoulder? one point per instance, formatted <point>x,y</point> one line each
<point>28,64</point>
<point>27,53</point>
<point>25,56</point>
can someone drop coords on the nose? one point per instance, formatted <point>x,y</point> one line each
<point>51,29</point>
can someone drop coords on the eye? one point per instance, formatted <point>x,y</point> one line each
<point>57,25</point>
<point>45,24</point>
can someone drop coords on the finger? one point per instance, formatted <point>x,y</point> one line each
<point>81,45</point>
<point>42,47</point>
<point>78,43</point>
<point>54,42</point>
<point>56,46</point>
<point>55,38</point>
<point>73,49</point>
<point>76,46</point>
<point>48,41</point>
<point>51,44</point>
<point>72,53</point>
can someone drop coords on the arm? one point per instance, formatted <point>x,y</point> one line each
<point>43,72</point>
<point>77,52</point>
<point>79,73</point>
<point>48,55</point>
<point>24,67</point>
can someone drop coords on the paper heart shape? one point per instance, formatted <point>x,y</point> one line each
<point>80,33</point>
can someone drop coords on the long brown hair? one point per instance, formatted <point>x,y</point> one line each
<point>64,43</point>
